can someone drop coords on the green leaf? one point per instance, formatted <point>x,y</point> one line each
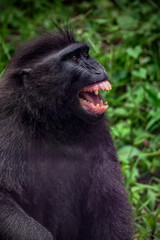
<point>154,119</point>
<point>141,73</point>
<point>152,199</point>
<point>121,111</point>
<point>101,21</point>
<point>127,22</point>
<point>127,152</point>
<point>134,52</point>
<point>153,95</point>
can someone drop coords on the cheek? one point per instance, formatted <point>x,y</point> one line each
<point>74,69</point>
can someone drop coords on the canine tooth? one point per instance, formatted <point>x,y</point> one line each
<point>109,86</point>
<point>106,87</point>
<point>97,105</point>
<point>96,92</point>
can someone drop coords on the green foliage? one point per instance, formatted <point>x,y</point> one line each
<point>124,36</point>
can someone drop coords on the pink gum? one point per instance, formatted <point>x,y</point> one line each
<point>105,85</point>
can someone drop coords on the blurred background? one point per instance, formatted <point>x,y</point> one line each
<point>125,37</point>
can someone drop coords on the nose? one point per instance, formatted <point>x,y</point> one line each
<point>97,72</point>
<point>101,73</point>
<point>97,69</point>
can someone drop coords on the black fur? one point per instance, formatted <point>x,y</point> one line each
<point>59,174</point>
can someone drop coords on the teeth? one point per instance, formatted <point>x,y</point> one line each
<point>103,85</point>
<point>96,92</point>
<point>110,87</point>
<point>106,85</point>
<point>97,105</point>
<point>83,100</point>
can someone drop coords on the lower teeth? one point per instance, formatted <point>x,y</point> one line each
<point>97,105</point>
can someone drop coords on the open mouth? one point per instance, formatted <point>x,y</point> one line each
<point>89,97</point>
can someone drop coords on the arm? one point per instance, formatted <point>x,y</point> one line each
<point>15,224</point>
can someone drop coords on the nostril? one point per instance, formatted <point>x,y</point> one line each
<point>97,72</point>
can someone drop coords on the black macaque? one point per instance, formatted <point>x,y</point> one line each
<point>59,174</point>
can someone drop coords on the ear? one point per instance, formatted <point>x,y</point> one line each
<point>23,77</point>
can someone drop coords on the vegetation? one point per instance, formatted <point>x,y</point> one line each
<point>125,37</point>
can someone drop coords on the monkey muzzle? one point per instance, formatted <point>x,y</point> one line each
<point>90,98</point>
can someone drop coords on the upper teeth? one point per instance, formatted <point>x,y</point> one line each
<point>105,85</point>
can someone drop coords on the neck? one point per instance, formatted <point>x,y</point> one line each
<point>65,130</point>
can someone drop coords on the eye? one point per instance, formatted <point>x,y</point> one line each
<point>86,54</point>
<point>74,58</point>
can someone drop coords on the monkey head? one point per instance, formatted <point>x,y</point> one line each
<point>56,77</point>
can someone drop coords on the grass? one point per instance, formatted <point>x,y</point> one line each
<point>124,36</point>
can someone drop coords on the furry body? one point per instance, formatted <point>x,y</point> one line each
<point>59,174</point>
